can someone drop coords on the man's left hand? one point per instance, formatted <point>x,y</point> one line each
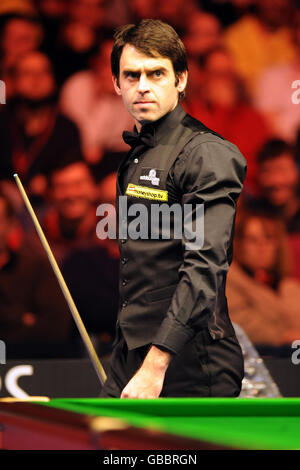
<point>148,380</point>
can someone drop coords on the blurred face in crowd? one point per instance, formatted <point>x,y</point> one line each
<point>34,78</point>
<point>73,191</point>
<point>257,247</point>
<point>5,225</point>
<point>20,37</point>
<point>220,80</point>
<point>278,179</point>
<point>143,8</point>
<point>147,85</point>
<point>203,35</point>
<point>87,12</point>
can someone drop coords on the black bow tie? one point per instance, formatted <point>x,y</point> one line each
<point>145,137</point>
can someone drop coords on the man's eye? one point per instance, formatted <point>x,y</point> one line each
<point>131,75</point>
<point>157,73</point>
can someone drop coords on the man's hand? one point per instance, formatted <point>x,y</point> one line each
<point>148,380</point>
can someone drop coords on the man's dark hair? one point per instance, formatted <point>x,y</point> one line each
<point>274,148</point>
<point>153,38</point>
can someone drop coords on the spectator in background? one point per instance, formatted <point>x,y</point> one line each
<point>143,9</point>
<point>222,104</point>
<point>262,298</point>
<point>274,92</point>
<point>52,14</point>
<point>203,34</point>
<point>262,40</point>
<point>278,183</point>
<point>177,13</point>
<point>88,98</point>
<point>79,34</point>
<point>228,11</point>
<point>34,135</point>
<point>70,221</point>
<point>92,274</point>
<point>33,312</point>
<point>18,35</point>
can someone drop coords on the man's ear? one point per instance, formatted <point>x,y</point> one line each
<point>115,81</point>
<point>182,81</point>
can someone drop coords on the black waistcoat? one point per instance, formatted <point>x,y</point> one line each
<point>149,268</point>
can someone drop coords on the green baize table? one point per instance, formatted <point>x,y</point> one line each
<point>164,423</point>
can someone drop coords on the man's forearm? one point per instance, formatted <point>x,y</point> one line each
<point>157,359</point>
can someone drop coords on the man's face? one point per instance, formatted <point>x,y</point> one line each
<point>73,191</point>
<point>278,179</point>
<point>147,85</point>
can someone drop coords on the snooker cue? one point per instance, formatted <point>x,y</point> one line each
<point>82,330</point>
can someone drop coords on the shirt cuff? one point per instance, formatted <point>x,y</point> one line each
<point>172,335</point>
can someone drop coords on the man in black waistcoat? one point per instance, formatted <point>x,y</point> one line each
<point>174,336</point>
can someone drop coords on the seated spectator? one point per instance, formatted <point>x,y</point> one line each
<point>228,11</point>
<point>177,13</point>
<point>34,135</point>
<point>203,35</point>
<point>84,25</point>
<point>19,35</point>
<point>70,221</point>
<point>262,40</point>
<point>33,312</point>
<point>89,99</point>
<point>143,9</point>
<point>278,183</point>
<point>92,274</point>
<point>262,298</point>
<point>222,105</point>
<point>274,93</point>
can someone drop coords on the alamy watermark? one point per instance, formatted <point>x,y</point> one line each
<point>2,352</point>
<point>160,221</point>
<point>2,92</point>
<point>296,93</point>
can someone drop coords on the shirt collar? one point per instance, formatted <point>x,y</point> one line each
<point>159,128</point>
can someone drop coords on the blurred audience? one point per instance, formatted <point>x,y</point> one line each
<point>35,136</point>
<point>278,183</point>
<point>228,11</point>
<point>203,34</point>
<point>222,104</point>
<point>262,298</point>
<point>61,130</point>
<point>70,221</point>
<point>177,13</point>
<point>92,273</point>
<point>18,35</point>
<point>274,92</point>
<point>33,311</point>
<point>89,99</point>
<point>78,35</point>
<point>261,40</point>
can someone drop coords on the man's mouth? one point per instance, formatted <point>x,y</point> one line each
<point>144,102</point>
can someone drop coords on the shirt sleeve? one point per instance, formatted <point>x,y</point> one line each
<point>209,173</point>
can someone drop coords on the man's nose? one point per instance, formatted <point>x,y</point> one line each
<point>143,84</point>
